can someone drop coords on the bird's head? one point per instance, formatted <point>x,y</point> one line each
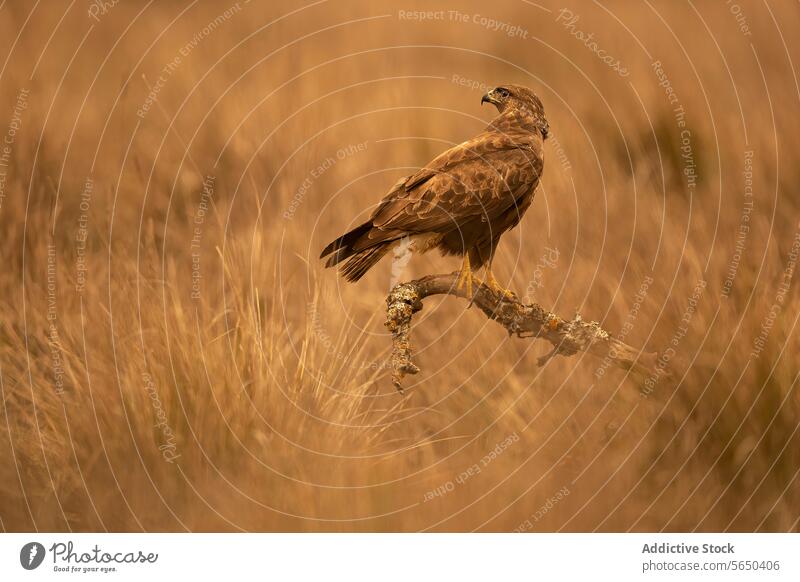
<point>519,98</point>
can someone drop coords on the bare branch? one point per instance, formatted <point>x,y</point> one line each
<point>567,336</point>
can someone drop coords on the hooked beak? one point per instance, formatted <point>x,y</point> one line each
<point>489,98</point>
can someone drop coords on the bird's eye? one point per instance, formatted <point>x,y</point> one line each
<point>503,92</point>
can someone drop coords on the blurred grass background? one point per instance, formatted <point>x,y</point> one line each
<point>205,372</point>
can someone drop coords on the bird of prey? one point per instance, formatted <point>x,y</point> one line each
<point>463,200</point>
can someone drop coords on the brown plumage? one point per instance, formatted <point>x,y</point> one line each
<point>464,199</point>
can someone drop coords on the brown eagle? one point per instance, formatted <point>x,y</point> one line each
<point>462,201</point>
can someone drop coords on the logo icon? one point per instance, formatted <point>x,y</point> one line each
<point>31,555</point>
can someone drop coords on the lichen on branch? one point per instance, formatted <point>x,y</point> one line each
<point>568,337</point>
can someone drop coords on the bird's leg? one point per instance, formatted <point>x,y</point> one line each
<point>492,283</point>
<point>465,278</point>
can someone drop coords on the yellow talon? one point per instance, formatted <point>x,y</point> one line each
<point>492,283</point>
<point>465,278</point>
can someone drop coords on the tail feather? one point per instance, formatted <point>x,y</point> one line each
<point>363,261</point>
<point>359,250</point>
<point>338,256</point>
<point>342,247</point>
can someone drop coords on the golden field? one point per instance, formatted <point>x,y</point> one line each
<point>174,357</point>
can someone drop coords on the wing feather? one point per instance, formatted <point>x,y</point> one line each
<point>484,176</point>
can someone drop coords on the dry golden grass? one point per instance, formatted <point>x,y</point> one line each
<point>276,408</point>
